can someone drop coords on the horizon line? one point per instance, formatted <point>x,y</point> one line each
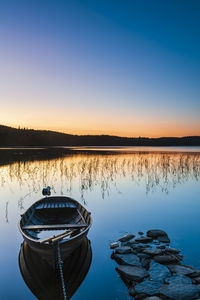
<point>128,137</point>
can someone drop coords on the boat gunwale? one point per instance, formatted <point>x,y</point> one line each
<point>62,241</point>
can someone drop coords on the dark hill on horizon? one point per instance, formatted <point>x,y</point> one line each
<point>10,136</point>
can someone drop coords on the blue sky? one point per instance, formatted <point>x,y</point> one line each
<point>118,67</point>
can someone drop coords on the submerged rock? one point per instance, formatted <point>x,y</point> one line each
<point>180,291</point>
<point>148,287</point>
<point>132,272</point>
<point>127,259</point>
<point>126,238</point>
<point>158,272</point>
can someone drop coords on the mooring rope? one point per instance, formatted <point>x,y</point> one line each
<point>60,265</point>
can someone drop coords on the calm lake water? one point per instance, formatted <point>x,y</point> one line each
<point>125,192</point>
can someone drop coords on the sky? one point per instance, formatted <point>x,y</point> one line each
<point>121,67</point>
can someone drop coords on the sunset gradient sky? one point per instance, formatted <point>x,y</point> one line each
<point>118,67</point>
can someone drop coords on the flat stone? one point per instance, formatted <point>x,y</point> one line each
<point>172,250</point>
<point>166,259</point>
<point>178,279</point>
<point>139,246</point>
<point>161,247</point>
<point>158,272</point>
<point>163,239</point>
<point>114,245</point>
<point>140,233</point>
<point>144,239</point>
<point>196,280</point>
<point>154,233</point>
<point>153,252</point>
<point>148,287</point>
<point>127,259</point>
<point>132,272</point>
<point>152,298</point>
<point>178,291</point>
<point>123,250</point>
<point>182,270</point>
<point>126,238</point>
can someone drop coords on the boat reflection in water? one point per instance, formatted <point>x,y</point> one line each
<point>45,281</point>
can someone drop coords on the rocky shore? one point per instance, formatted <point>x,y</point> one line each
<point>152,270</point>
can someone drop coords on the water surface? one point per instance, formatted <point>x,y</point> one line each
<point>125,192</point>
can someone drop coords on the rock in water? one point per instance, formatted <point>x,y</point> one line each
<point>144,239</point>
<point>166,259</point>
<point>132,272</point>
<point>154,233</point>
<point>163,239</point>
<point>114,245</point>
<point>153,252</point>
<point>123,250</point>
<point>182,270</point>
<point>127,259</point>
<point>158,272</point>
<point>172,250</point>
<point>178,279</point>
<point>152,298</point>
<point>126,238</point>
<point>178,291</point>
<point>148,287</point>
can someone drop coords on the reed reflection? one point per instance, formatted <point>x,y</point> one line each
<point>44,279</point>
<point>163,171</point>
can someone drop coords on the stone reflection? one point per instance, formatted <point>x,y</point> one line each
<point>163,171</point>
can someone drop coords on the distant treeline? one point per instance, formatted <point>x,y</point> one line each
<point>28,137</point>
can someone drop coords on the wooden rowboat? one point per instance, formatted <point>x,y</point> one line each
<point>45,282</point>
<point>62,220</point>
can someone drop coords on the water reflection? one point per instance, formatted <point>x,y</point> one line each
<point>44,281</point>
<point>156,171</point>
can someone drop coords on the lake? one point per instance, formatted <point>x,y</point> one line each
<point>125,191</point>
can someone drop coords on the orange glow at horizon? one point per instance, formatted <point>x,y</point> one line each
<point>88,122</point>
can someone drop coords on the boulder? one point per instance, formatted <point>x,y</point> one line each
<point>132,272</point>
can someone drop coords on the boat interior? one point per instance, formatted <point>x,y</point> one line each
<point>54,218</point>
